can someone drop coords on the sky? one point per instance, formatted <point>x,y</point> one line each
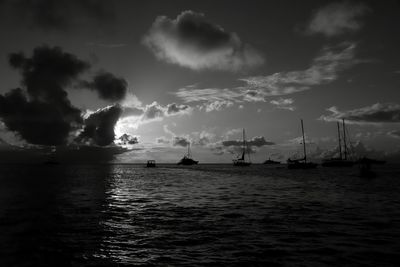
<point>127,81</point>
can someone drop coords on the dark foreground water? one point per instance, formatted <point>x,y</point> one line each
<point>214,215</point>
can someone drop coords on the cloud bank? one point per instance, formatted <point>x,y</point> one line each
<point>193,42</point>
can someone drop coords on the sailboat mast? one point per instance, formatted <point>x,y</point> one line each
<point>188,153</point>
<point>340,141</point>
<point>244,142</point>
<point>344,140</point>
<point>304,142</point>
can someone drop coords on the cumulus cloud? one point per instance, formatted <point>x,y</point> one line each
<point>193,42</point>
<point>45,116</point>
<point>374,114</point>
<point>127,139</point>
<point>99,126</point>
<point>202,138</point>
<point>155,110</point>
<point>284,103</point>
<point>337,18</point>
<point>180,141</point>
<point>175,108</point>
<point>41,113</point>
<point>108,86</point>
<point>324,69</point>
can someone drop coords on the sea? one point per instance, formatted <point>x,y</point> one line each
<point>204,215</point>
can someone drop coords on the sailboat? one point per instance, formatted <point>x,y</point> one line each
<point>187,159</point>
<point>241,161</point>
<point>301,163</point>
<point>269,161</point>
<point>340,161</point>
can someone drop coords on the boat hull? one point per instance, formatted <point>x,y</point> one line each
<point>187,163</point>
<point>271,162</point>
<point>238,163</point>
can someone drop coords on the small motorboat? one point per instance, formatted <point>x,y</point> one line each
<point>151,164</point>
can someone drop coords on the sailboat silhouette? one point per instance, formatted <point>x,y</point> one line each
<point>187,159</point>
<point>340,161</point>
<point>241,161</point>
<point>301,163</point>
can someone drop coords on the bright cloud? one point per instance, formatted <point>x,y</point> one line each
<point>193,42</point>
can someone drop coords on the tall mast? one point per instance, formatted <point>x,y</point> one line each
<point>340,143</point>
<point>188,153</point>
<point>304,142</point>
<point>344,140</point>
<point>244,144</point>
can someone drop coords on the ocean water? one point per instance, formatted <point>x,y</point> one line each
<point>205,215</point>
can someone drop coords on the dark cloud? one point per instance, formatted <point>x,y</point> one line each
<point>63,14</point>
<point>99,126</point>
<point>191,41</point>
<point>43,123</point>
<point>377,113</point>
<point>175,108</point>
<point>257,141</point>
<point>236,146</point>
<point>127,139</point>
<point>180,141</point>
<point>47,72</point>
<point>108,86</point>
<point>44,115</point>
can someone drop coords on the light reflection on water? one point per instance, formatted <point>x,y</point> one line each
<point>206,215</point>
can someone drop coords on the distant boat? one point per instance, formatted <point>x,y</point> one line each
<point>340,161</point>
<point>187,159</point>
<point>269,161</point>
<point>301,163</point>
<point>151,164</point>
<point>241,161</point>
